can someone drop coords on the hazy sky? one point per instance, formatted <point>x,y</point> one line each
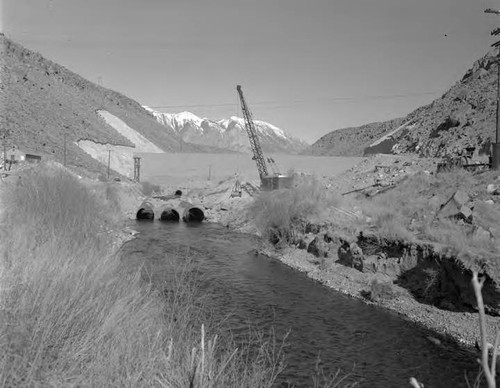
<point>307,66</point>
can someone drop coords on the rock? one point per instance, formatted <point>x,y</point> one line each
<point>489,202</point>
<point>492,189</point>
<point>447,305</point>
<point>455,285</point>
<point>351,255</point>
<point>481,236</point>
<point>434,340</point>
<point>461,197</point>
<point>302,244</point>
<point>455,207</point>
<point>465,213</point>
<point>318,247</point>
<point>378,264</point>
<point>382,290</point>
<point>481,73</point>
<point>312,228</point>
<point>435,201</point>
<point>357,256</point>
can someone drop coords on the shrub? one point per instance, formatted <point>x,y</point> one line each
<point>281,214</point>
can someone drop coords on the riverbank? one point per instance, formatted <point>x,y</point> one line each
<point>460,327</point>
<point>448,309</point>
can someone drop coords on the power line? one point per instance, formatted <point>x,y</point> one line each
<point>283,104</point>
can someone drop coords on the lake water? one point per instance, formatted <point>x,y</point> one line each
<point>177,169</point>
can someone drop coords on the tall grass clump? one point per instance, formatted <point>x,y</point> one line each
<point>72,314</point>
<point>406,211</point>
<point>281,214</point>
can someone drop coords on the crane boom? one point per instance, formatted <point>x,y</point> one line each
<point>258,155</point>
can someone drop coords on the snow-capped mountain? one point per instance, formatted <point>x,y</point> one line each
<point>228,133</point>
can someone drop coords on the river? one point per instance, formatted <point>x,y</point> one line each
<point>378,348</point>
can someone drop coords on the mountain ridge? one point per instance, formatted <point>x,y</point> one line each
<point>228,133</point>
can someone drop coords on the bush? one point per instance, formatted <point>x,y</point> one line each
<point>281,214</point>
<point>72,314</point>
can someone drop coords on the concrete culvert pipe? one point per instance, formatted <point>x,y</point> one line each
<point>169,215</point>
<point>145,211</point>
<point>193,214</point>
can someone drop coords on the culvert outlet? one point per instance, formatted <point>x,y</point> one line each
<point>193,214</point>
<point>145,211</point>
<point>169,215</point>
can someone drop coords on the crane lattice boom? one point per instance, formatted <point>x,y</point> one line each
<point>258,156</point>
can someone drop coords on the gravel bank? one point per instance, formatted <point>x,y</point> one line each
<point>460,327</point>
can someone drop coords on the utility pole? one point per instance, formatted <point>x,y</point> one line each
<point>109,161</point>
<point>137,168</point>
<point>4,148</point>
<point>65,146</point>
<point>495,152</point>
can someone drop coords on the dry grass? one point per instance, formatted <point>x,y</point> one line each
<point>73,315</point>
<point>281,214</point>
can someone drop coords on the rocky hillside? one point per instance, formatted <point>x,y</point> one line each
<point>350,141</point>
<point>463,116</point>
<point>228,133</point>
<point>42,104</point>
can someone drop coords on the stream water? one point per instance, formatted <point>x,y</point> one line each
<point>377,347</point>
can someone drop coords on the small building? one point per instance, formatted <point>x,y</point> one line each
<point>14,155</point>
<point>32,158</point>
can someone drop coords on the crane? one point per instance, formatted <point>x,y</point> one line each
<point>268,181</point>
<point>258,155</point>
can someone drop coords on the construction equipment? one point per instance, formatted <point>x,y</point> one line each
<point>462,158</point>
<point>268,181</point>
<point>236,191</point>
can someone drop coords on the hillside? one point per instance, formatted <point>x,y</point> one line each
<point>350,141</point>
<point>43,103</point>
<point>463,116</point>
<point>228,133</point>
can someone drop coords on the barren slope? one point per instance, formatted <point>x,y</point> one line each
<point>463,116</point>
<point>350,141</point>
<point>42,103</point>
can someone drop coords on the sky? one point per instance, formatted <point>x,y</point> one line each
<point>306,66</point>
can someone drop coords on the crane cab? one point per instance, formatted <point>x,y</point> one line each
<point>275,182</point>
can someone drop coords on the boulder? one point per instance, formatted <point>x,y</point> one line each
<point>377,264</point>
<point>382,290</point>
<point>493,189</point>
<point>461,197</point>
<point>318,247</point>
<point>465,213</point>
<point>312,228</point>
<point>456,207</point>
<point>351,255</point>
<point>481,236</point>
